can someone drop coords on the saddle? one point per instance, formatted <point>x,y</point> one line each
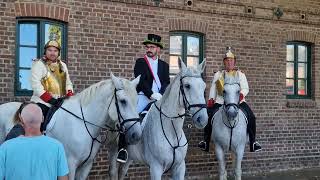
<point>145,110</point>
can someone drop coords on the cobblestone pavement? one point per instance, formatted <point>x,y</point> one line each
<point>306,174</point>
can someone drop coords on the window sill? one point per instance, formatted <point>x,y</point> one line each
<point>301,103</point>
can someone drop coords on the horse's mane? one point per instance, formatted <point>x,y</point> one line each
<point>87,94</point>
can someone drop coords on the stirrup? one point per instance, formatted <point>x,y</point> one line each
<point>122,159</point>
<point>256,147</point>
<point>203,146</point>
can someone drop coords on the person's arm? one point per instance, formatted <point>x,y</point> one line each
<point>69,85</point>
<point>244,86</point>
<point>62,168</point>
<point>166,79</point>
<point>63,177</point>
<point>38,71</point>
<point>213,89</point>
<point>2,161</point>
<point>143,84</point>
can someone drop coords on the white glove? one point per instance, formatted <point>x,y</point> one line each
<point>156,96</point>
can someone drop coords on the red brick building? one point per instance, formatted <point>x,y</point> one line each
<point>276,43</point>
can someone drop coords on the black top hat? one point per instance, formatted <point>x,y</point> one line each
<point>154,39</point>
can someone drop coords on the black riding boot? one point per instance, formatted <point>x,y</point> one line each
<point>204,145</point>
<point>251,127</point>
<point>122,154</point>
<point>16,131</point>
<point>45,110</point>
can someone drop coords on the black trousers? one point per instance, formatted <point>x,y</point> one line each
<point>251,127</point>
<point>45,110</point>
<point>208,129</point>
<point>18,129</point>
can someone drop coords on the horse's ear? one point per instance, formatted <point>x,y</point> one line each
<point>116,81</point>
<point>202,65</point>
<point>136,81</point>
<point>182,66</point>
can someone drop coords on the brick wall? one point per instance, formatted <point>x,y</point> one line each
<point>105,36</point>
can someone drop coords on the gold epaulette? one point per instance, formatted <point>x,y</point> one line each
<point>219,85</point>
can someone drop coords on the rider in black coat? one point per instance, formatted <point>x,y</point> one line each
<point>154,79</point>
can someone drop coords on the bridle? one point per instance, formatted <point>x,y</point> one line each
<point>187,107</point>
<point>225,108</point>
<point>186,104</point>
<point>120,126</point>
<point>122,121</point>
<point>228,105</point>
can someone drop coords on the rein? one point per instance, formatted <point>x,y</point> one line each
<point>187,107</point>
<point>186,103</point>
<point>120,126</point>
<point>227,106</point>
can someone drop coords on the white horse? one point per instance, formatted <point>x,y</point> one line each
<point>229,127</point>
<point>163,145</point>
<point>109,104</point>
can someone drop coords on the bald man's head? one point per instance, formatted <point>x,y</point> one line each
<point>31,115</point>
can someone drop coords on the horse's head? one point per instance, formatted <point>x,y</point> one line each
<point>231,94</point>
<point>123,108</point>
<point>192,89</point>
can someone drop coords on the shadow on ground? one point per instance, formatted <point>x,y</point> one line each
<point>306,174</point>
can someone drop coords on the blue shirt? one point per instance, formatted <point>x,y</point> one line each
<point>35,158</point>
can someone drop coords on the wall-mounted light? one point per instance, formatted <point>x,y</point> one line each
<point>189,3</point>
<point>278,12</point>
<point>249,10</point>
<point>303,16</point>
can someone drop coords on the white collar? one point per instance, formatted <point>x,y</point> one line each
<point>151,60</point>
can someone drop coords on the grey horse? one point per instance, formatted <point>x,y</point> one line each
<point>229,128</point>
<point>103,105</point>
<point>163,146</point>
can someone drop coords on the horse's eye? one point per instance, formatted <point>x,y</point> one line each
<point>187,86</point>
<point>123,102</point>
<point>224,92</point>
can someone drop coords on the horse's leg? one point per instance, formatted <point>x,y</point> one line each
<point>239,156</point>
<point>113,169</point>
<point>155,171</point>
<point>222,165</point>
<point>84,170</point>
<point>123,169</point>
<point>179,171</point>
<point>72,168</point>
